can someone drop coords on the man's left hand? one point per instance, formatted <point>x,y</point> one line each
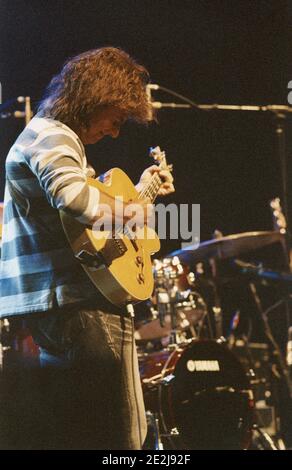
<point>167,186</point>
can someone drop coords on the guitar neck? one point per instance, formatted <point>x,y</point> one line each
<point>151,189</point>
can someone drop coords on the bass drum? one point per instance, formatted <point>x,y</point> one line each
<point>201,394</point>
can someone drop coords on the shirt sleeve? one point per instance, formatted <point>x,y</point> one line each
<point>57,160</point>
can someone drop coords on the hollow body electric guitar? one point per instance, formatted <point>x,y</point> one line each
<point>118,264</point>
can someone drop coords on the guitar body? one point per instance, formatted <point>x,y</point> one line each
<point>127,278</point>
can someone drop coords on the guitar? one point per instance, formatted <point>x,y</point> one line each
<point>118,265</point>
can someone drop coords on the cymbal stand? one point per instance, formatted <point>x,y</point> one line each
<point>174,338</point>
<point>4,340</point>
<point>281,137</point>
<point>217,310</point>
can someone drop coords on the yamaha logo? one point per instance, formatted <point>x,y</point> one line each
<point>203,366</point>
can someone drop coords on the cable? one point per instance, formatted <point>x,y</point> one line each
<point>130,311</point>
<point>134,384</point>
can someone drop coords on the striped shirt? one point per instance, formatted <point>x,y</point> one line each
<point>47,167</point>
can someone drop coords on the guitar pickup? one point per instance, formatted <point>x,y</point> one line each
<point>113,248</point>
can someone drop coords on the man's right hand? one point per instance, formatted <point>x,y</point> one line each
<point>139,210</point>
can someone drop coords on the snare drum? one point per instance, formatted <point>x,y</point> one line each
<point>201,394</point>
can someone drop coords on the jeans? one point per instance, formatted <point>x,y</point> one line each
<point>90,384</point>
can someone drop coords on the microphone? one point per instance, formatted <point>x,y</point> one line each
<point>149,87</point>
<point>159,104</point>
<point>152,86</point>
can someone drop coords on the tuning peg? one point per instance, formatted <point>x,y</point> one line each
<point>156,153</point>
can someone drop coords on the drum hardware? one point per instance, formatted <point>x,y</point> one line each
<point>262,440</point>
<point>223,248</point>
<point>276,351</point>
<point>255,357</point>
<point>168,295</point>
<point>177,310</point>
<point>4,340</point>
<point>217,311</point>
<point>162,302</point>
<point>153,439</point>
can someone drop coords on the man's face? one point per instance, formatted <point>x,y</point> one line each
<point>106,121</point>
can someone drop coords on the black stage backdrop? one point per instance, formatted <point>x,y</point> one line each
<point>211,51</point>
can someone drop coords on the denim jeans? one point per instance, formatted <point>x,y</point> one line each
<point>90,384</point>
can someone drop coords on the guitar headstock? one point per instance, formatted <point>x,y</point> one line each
<point>279,219</point>
<point>159,157</point>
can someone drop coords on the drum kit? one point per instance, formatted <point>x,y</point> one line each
<point>200,391</point>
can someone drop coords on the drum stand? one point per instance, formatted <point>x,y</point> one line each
<point>153,423</point>
<point>174,336</point>
<point>217,311</point>
<point>1,348</point>
<point>4,343</point>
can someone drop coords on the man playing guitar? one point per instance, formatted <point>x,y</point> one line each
<point>91,393</point>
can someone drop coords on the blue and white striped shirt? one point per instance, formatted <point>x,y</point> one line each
<point>47,166</point>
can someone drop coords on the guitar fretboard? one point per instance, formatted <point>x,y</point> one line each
<point>152,188</point>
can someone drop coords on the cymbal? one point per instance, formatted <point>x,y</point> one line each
<point>227,247</point>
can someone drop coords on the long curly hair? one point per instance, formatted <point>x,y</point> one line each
<point>99,77</point>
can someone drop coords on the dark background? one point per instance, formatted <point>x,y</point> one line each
<point>210,51</point>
